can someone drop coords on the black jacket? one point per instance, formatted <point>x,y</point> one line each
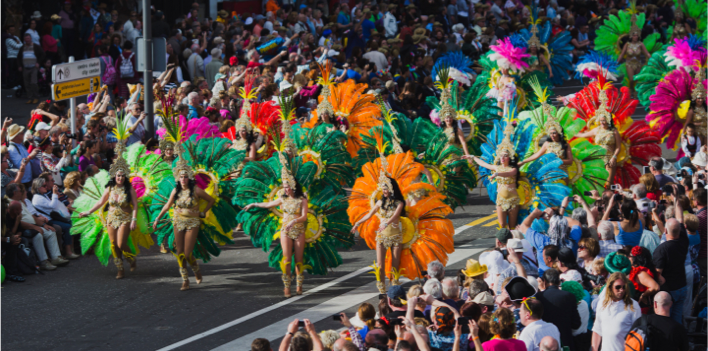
<point>559,308</point>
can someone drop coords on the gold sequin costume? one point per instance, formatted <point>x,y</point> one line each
<point>116,201</point>
<point>241,145</point>
<point>292,208</point>
<point>391,235</point>
<point>535,64</point>
<point>633,55</point>
<point>606,139</point>
<point>185,206</point>
<point>556,148</point>
<point>454,140</point>
<point>507,197</point>
<point>700,119</point>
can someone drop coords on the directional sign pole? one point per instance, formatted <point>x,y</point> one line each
<point>147,75</point>
<point>72,106</point>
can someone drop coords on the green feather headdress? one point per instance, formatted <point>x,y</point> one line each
<point>122,133</point>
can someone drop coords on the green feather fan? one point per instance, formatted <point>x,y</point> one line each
<point>146,173</point>
<point>326,147</point>
<point>649,77</point>
<point>91,228</point>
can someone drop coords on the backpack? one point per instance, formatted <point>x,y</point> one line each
<point>109,76</point>
<point>638,338</point>
<point>126,67</point>
<point>27,262</point>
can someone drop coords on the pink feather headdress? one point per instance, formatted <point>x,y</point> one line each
<point>681,55</point>
<point>509,57</point>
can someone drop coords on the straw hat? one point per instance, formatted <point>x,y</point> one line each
<point>54,17</point>
<point>14,130</point>
<point>473,268</point>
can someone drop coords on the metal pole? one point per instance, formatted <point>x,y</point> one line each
<point>72,106</point>
<point>147,75</point>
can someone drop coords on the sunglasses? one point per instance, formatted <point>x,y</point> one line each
<point>618,287</point>
<point>580,247</point>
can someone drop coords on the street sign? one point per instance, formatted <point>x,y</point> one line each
<point>75,88</point>
<point>159,58</point>
<point>66,72</point>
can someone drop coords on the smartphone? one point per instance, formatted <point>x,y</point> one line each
<point>587,193</point>
<point>337,317</point>
<point>701,176</point>
<point>615,187</point>
<point>646,170</point>
<point>464,323</point>
<point>618,197</point>
<point>301,324</point>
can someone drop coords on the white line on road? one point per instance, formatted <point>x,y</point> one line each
<point>280,304</point>
<point>338,304</point>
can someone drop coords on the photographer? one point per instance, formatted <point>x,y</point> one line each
<point>630,225</point>
<point>295,341</point>
<point>51,163</point>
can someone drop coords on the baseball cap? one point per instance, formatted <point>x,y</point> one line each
<point>503,235</point>
<point>42,126</point>
<point>484,298</point>
<point>396,291</point>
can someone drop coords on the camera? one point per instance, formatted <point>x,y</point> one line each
<point>615,187</point>
<point>587,193</point>
<point>337,317</point>
<point>647,169</point>
<point>69,135</point>
<point>396,321</point>
<point>101,128</point>
<point>598,279</point>
<point>301,324</point>
<point>464,323</point>
<point>701,176</point>
<point>618,197</point>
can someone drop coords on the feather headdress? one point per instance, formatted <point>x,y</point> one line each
<point>634,29</point>
<point>507,56</point>
<point>384,182</point>
<point>506,147</point>
<point>542,97</point>
<point>175,134</point>
<point>390,119</point>
<point>326,81</point>
<point>596,63</point>
<point>122,132</point>
<point>444,85</point>
<point>602,111</point>
<point>699,89</point>
<point>683,55</point>
<point>287,115</point>
<point>247,93</point>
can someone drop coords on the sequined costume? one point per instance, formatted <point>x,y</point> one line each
<point>606,139</point>
<point>292,208</point>
<point>507,197</point>
<point>633,56</point>
<point>185,208</point>
<point>116,217</point>
<point>391,235</point>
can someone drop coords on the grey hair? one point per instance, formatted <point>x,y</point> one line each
<point>450,288</point>
<point>580,215</point>
<point>55,130</point>
<point>328,338</point>
<point>193,95</point>
<point>36,184</point>
<point>436,270</point>
<point>606,230</point>
<point>669,213</point>
<point>250,53</point>
<point>476,287</point>
<point>639,190</point>
<point>433,287</point>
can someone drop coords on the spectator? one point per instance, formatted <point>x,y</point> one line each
<point>31,55</point>
<point>639,195</point>
<point>548,343</point>
<point>588,251</point>
<point>135,123</point>
<point>631,226</point>
<point>536,328</point>
<point>13,44</point>
<point>559,306</point>
<point>213,67</point>
<point>606,232</point>
<point>126,68</point>
<point>666,334</point>
<point>8,176</point>
<point>436,270</point>
<point>669,260</point>
<point>651,185</point>
<point>616,312</point>
<point>656,166</point>
<point>260,344</point>
<point>47,204</point>
<point>36,229</point>
<point>643,276</point>
<point>700,197</point>
<point>18,154</point>
<point>503,326</point>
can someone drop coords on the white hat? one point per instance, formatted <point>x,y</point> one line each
<point>516,245</point>
<point>572,275</point>
<point>36,15</point>
<point>700,160</point>
<point>669,167</point>
<point>285,85</point>
<point>42,126</point>
<point>248,21</point>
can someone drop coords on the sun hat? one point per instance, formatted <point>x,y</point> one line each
<point>615,262</point>
<point>473,268</point>
<point>14,130</point>
<point>516,244</point>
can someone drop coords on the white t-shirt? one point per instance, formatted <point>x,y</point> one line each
<point>584,313</point>
<point>378,58</point>
<point>613,322</point>
<point>534,332</point>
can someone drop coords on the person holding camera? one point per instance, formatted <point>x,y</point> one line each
<point>631,225</point>
<point>656,167</point>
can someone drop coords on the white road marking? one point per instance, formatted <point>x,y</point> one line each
<point>340,303</point>
<point>285,302</point>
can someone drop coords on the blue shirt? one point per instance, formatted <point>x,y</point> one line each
<point>343,18</point>
<point>367,26</point>
<point>17,152</point>
<point>445,342</point>
<point>192,113</point>
<point>540,240</point>
<point>629,238</point>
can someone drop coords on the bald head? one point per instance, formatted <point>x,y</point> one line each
<point>662,304</point>
<point>548,343</point>
<point>672,228</point>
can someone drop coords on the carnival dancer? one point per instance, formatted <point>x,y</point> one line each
<point>186,219</point>
<point>505,172</point>
<point>119,219</point>
<point>414,235</point>
<point>602,129</point>
<point>632,52</point>
<point>509,59</point>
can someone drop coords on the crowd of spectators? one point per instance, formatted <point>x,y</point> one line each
<point>587,281</point>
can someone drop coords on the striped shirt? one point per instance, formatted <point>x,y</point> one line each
<point>607,247</point>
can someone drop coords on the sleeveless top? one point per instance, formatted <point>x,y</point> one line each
<point>388,213</point>
<point>606,139</point>
<point>451,136</point>
<point>292,208</point>
<point>505,180</point>
<point>118,197</point>
<point>629,238</point>
<point>556,148</point>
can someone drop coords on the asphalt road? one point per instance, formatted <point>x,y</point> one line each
<point>83,307</point>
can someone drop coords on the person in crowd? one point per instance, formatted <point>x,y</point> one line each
<point>46,201</point>
<point>559,306</point>
<point>615,314</point>
<point>631,226</point>
<point>535,328</point>
<point>503,326</point>
<point>588,251</point>
<point>656,166</point>
<point>667,334</point>
<point>30,55</point>
<point>606,232</point>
